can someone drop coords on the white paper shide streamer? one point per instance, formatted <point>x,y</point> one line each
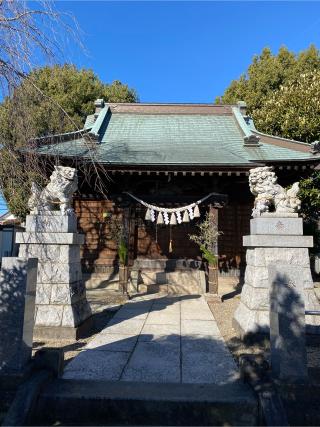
<point>171,216</point>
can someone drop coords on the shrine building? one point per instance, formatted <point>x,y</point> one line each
<point>170,156</point>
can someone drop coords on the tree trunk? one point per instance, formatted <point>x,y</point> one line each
<point>213,278</point>
<point>123,278</point>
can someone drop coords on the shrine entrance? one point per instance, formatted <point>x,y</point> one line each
<point>161,247</point>
<point>162,254</point>
<point>154,241</point>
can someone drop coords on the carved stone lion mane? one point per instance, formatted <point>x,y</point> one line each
<point>63,183</point>
<point>270,195</point>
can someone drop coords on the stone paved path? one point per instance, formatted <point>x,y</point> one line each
<point>157,338</point>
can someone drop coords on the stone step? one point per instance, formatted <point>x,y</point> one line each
<point>170,289</point>
<point>101,280</point>
<point>187,278</point>
<point>84,402</point>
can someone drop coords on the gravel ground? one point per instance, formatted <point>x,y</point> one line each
<point>223,313</point>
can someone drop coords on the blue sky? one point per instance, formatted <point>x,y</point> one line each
<point>184,51</point>
<point>3,208</point>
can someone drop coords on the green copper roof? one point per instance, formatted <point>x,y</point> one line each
<point>128,138</point>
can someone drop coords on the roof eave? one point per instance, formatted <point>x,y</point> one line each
<point>307,160</point>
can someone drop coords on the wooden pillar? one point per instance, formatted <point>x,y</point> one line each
<point>123,269</point>
<point>131,235</point>
<point>213,268</point>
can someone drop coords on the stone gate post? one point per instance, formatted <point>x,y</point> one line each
<point>275,238</point>
<point>62,310</point>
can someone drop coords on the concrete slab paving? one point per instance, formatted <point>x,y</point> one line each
<point>197,306</point>
<point>208,368</point>
<point>154,362</point>
<point>206,361</point>
<point>160,339</point>
<point>169,308</point>
<point>203,343</point>
<point>190,314</point>
<point>202,327</point>
<point>125,326</point>
<point>192,299</point>
<point>113,342</point>
<point>139,305</point>
<point>167,300</point>
<point>127,313</point>
<point>165,330</point>
<point>162,317</point>
<point>97,365</point>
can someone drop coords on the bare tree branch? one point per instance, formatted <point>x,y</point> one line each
<point>30,35</point>
<point>23,15</point>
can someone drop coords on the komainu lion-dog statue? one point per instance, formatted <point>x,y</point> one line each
<point>270,195</point>
<point>63,183</point>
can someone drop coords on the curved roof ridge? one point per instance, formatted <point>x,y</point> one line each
<point>59,135</point>
<point>281,138</point>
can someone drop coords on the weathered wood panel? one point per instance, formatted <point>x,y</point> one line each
<point>234,223</point>
<point>98,250</point>
<point>153,241</point>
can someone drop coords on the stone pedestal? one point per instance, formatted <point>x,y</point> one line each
<point>18,280</point>
<point>62,310</point>
<point>273,240</point>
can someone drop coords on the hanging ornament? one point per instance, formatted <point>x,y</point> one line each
<point>173,219</point>
<point>161,215</point>
<point>166,217</point>
<point>190,210</point>
<point>170,240</point>
<point>196,212</point>
<point>160,218</point>
<point>148,215</point>
<point>185,217</point>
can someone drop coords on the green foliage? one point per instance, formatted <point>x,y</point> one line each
<point>293,111</point>
<point>34,110</point>
<point>118,92</point>
<point>207,238</point>
<point>122,252</point>
<point>16,177</point>
<point>282,93</point>
<point>208,255</point>
<point>309,195</point>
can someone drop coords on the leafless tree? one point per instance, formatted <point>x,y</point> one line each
<point>29,36</point>
<point>33,33</point>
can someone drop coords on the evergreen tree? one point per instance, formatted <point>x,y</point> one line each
<point>281,92</point>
